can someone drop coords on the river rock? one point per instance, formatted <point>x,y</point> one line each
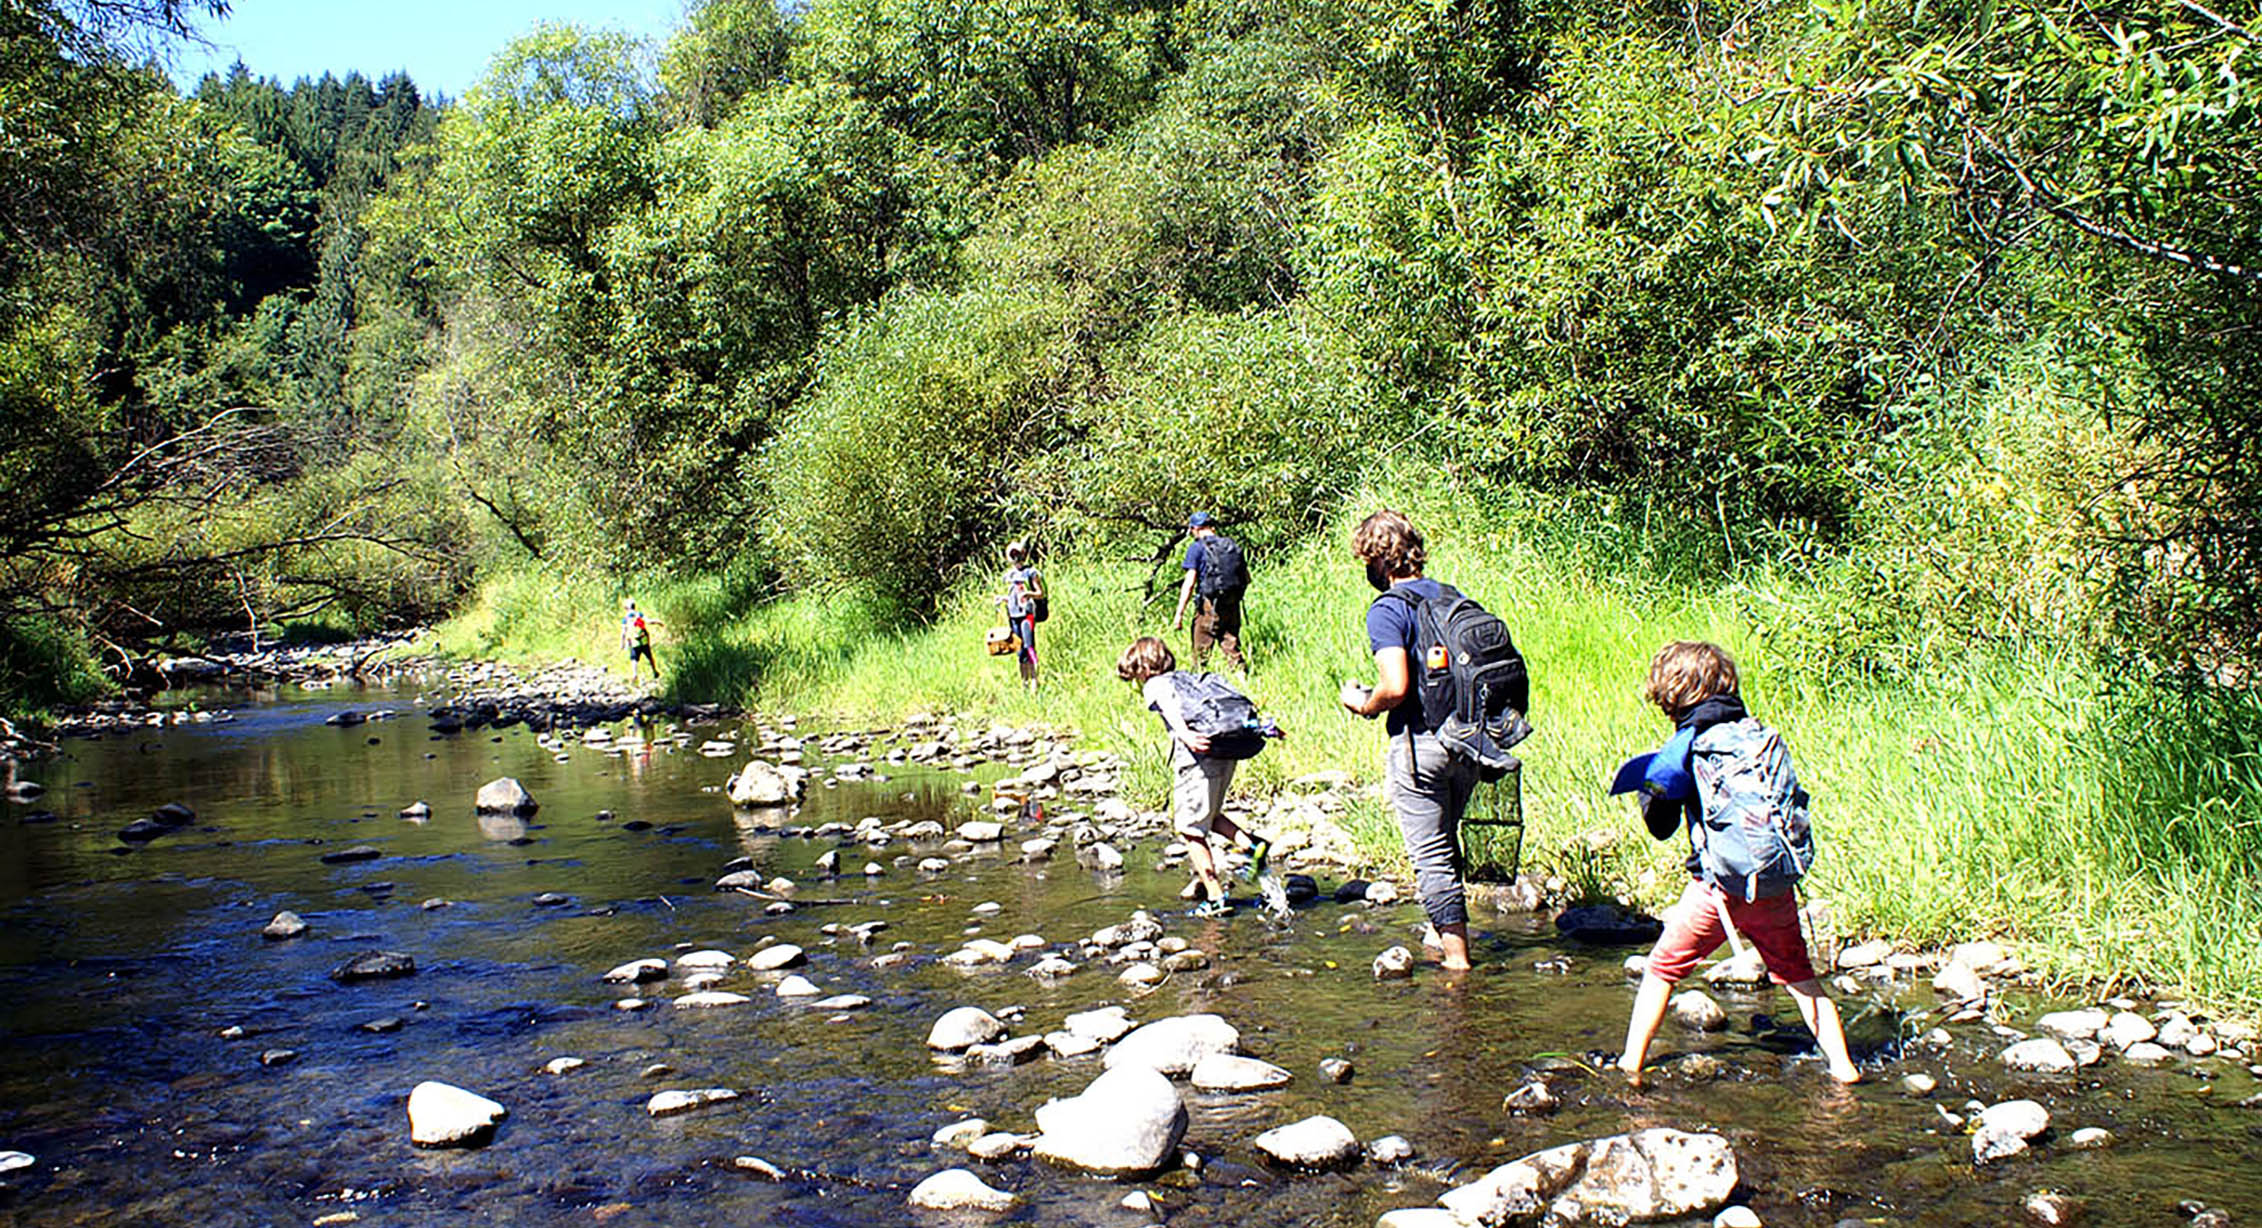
<point>374,966</point>
<point>1651,1175</point>
<point>287,924</point>
<point>668,1104</point>
<point>1744,970</point>
<point>1738,1216</point>
<point>13,1161</point>
<point>1129,1120</point>
<point>705,961</point>
<point>1532,1098</point>
<point>1919,1083</point>
<point>504,795</point>
<point>1106,1024</point>
<point>1608,925</point>
<point>1390,1149</point>
<point>2041,1055</point>
<point>1694,1008</point>
<point>2074,1025</point>
<point>2090,1138</point>
<point>1172,1046</point>
<point>2002,1130</point>
<point>963,1027</point>
<point>773,958</point>
<point>1336,1070</point>
<point>638,971</point>
<point>958,1134</point>
<point>1227,1072</point>
<point>762,784</point>
<point>442,1115</point>
<point>142,831</point>
<point>563,1065</point>
<point>981,831</point>
<point>2051,1209</point>
<point>956,1189</point>
<point>796,985</point>
<point>1865,954</point>
<point>2146,1053</point>
<point>999,1146</point>
<point>1395,964</point>
<point>711,997</point>
<point>417,810</point>
<point>1419,1217</point>
<point>1959,983</point>
<point>359,852</point>
<point>173,814</point>
<point>1315,1142</point>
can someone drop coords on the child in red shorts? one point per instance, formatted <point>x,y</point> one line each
<point>1695,685</point>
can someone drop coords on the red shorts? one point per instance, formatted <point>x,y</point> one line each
<point>1693,931</point>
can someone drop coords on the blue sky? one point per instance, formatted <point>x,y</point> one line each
<point>444,44</point>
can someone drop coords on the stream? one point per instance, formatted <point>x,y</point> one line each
<point>144,1019</point>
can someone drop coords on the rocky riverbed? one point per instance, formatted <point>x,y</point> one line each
<point>689,967</point>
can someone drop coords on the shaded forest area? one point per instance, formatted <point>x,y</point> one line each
<point>1945,312</point>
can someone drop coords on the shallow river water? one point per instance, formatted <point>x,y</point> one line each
<point>120,970</point>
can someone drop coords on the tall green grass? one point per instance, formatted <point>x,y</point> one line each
<point>2006,793</point>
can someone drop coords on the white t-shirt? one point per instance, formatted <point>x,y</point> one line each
<point>1162,695</point>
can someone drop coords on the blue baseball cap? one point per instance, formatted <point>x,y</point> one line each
<point>1197,520</point>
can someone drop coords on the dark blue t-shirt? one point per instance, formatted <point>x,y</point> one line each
<point>1391,624</point>
<point>1194,554</point>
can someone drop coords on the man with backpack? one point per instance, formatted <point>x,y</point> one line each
<point>1728,779</point>
<point>1455,691</point>
<point>1216,577</point>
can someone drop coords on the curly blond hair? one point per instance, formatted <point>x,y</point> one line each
<point>1389,539</point>
<point>1685,673</point>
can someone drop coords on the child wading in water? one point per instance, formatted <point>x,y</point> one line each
<point>1203,755</point>
<point>1728,780</point>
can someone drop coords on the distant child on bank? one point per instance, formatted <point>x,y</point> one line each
<point>1212,728</point>
<point>1727,779</point>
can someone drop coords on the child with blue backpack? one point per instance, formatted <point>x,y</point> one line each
<point>1727,779</point>
<point>1212,728</point>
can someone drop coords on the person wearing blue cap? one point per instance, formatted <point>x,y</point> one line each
<point>1216,577</point>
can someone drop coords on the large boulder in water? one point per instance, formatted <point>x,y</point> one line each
<point>763,784</point>
<point>442,1115</point>
<point>1173,1046</point>
<point>504,795</point>
<point>1127,1121</point>
<point>1652,1175</point>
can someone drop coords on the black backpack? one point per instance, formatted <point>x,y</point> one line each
<point>1474,689</point>
<point>1224,570</point>
<point>1215,710</point>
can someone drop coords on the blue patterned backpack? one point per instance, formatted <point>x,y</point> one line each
<point>1757,839</point>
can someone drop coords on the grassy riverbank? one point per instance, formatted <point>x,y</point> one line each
<point>2012,793</point>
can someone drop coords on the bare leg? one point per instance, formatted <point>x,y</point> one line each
<point>1821,1015</point>
<point>1641,1026</point>
<point>1204,863</point>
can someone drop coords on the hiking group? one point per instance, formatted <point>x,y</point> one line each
<point>1454,694</point>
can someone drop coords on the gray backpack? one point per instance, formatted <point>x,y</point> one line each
<point>1758,841</point>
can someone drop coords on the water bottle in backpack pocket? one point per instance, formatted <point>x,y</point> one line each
<point>1758,840</point>
<point>1472,683</point>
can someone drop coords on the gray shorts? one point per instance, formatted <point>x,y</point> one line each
<point>1197,796</point>
<point>1429,790</point>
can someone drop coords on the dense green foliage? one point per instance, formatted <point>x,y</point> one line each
<point>1894,342</point>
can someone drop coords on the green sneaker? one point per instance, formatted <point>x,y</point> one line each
<point>1260,851</point>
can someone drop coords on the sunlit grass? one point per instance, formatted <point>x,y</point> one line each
<point>2007,794</point>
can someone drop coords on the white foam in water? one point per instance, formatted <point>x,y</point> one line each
<point>1275,894</point>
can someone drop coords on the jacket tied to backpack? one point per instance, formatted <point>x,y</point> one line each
<point>1749,823</point>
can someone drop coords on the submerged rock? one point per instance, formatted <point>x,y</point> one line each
<point>668,1104</point>
<point>1654,1174</point>
<point>2002,1130</point>
<point>287,924</point>
<point>359,852</point>
<point>1225,1072</point>
<point>374,966</point>
<point>1128,1120</point>
<point>2042,1055</point>
<point>956,1189</point>
<point>443,1115</point>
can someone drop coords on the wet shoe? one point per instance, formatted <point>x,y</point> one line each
<point>1260,851</point>
<point>1213,908</point>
